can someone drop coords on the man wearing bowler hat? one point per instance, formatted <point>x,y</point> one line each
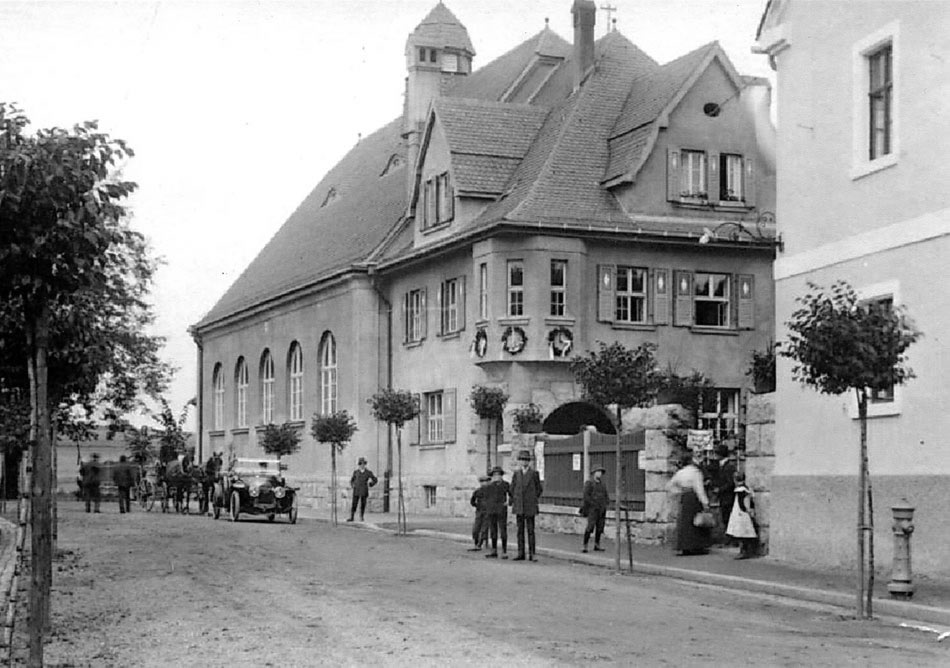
<point>361,480</point>
<point>496,507</point>
<point>525,492</point>
<point>595,504</point>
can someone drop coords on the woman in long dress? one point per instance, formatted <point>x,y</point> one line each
<point>688,484</point>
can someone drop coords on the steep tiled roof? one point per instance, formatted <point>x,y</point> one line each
<point>440,29</point>
<point>482,173</point>
<point>317,240</point>
<point>489,128</point>
<point>627,149</point>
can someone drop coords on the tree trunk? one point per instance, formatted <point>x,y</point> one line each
<point>617,495</point>
<point>333,513</point>
<point>862,491</point>
<point>41,563</point>
<point>401,507</point>
<point>863,415</point>
<point>488,448</point>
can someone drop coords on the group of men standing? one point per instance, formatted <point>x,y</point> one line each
<point>492,499</point>
<point>90,478</point>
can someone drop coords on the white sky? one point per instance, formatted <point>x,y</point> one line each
<point>236,109</point>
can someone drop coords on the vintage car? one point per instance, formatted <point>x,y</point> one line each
<point>256,487</point>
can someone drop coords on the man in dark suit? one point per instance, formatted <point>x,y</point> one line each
<point>496,507</point>
<point>525,491</point>
<point>124,477</point>
<point>596,501</point>
<point>361,480</point>
<point>91,473</point>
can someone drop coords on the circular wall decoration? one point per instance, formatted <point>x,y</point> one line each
<point>514,340</point>
<point>480,343</point>
<point>560,341</point>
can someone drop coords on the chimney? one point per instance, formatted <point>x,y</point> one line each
<point>584,12</point>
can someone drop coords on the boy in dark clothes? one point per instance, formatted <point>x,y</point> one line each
<point>480,526</point>
<point>496,505</point>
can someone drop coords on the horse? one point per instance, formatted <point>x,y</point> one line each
<point>212,474</point>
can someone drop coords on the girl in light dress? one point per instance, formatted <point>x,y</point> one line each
<point>742,519</point>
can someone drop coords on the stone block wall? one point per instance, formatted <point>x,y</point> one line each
<point>760,458</point>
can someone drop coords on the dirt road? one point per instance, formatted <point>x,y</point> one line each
<point>147,589</point>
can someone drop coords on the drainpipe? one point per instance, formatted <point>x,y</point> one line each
<point>200,398</point>
<point>388,474</point>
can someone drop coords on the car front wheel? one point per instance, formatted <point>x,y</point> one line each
<point>235,506</point>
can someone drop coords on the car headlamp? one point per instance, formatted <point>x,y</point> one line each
<point>254,491</point>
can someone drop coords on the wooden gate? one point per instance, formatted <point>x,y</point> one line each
<point>564,486</point>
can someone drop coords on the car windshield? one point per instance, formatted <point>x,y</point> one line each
<point>257,468</point>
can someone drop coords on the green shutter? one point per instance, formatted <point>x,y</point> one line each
<point>672,174</point>
<point>449,428</point>
<point>606,292</point>
<point>683,305</point>
<point>713,177</point>
<point>745,296</point>
<point>661,296</point>
<point>748,184</point>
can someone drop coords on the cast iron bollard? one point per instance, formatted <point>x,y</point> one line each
<point>901,584</point>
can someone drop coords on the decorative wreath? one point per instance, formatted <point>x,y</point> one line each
<point>560,341</point>
<point>479,343</point>
<point>514,340</point>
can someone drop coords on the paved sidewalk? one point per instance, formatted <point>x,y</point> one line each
<point>930,604</point>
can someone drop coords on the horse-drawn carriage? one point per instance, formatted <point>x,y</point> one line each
<point>172,484</point>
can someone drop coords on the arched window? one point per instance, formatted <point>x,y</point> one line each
<point>218,388</point>
<point>328,374</point>
<point>240,381</point>
<point>267,388</point>
<point>295,368</point>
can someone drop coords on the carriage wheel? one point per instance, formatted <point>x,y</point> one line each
<point>292,515</point>
<point>235,506</point>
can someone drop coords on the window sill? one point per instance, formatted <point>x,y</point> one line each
<point>451,335</point>
<point>634,326</point>
<point>482,323</point>
<point>413,344</point>
<point>518,321</point>
<point>559,320</point>
<point>733,206</point>
<point>865,168</point>
<point>690,203</point>
<point>432,446</point>
<point>239,430</point>
<point>215,432</point>
<point>725,331</point>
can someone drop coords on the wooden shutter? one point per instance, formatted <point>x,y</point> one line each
<point>431,203</point>
<point>713,177</point>
<point>405,318</point>
<point>672,174</point>
<point>461,302</point>
<point>748,183</point>
<point>448,416</point>
<point>606,292</point>
<point>424,316</point>
<point>450,196</point>
<point>661,296</point>
<point>440,305</point>
<point>683,306</point>
<point>416,439</point>
<point>745,297</point>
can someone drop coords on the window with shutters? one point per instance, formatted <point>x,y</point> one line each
<point>241,382</point>
<point>719,412</point>
<point>558,287</point>
<point>434,417</point>
<point>438,201</point>
<point>483,291</point>
<point>451,311</point>
<point>693,174</point>
<point>515,288</point>
<point>415,316</point>
<point>711,300</point>
<point>631,295</point>
<point>267,388</point>
<point>217,383</point>
<point>730,178</point>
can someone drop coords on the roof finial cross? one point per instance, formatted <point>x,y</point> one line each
<point>610,9</point>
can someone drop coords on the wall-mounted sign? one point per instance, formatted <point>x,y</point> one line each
<point>699,439</point>
<point>576,461</point>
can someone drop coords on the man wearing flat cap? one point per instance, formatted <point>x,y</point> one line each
<point>361,480</point>
<point>480,526</point>
<point>595,504</point>
<point>496,507</point>
<point>525,492</point>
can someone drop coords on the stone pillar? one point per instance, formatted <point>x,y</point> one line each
<point>760,459</point>
<point>658,517</point>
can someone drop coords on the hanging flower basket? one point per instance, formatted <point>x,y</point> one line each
<point>514,340</point>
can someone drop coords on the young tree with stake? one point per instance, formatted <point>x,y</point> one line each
<point>337,430</point>
<point>396,408</point>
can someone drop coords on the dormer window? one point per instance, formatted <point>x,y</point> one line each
<point>437,201</point>
<point>395,162</point>
<point>433,56</point>
<point>450,62</point>
<point>331,196</point>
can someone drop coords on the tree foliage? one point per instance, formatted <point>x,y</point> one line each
<point>528,419</point>
<point>488,402</point>
<point>395,407</point>
<point>336,429</point>
<point>281,440</point>
<point>615,374</point>
<point>838,343</point>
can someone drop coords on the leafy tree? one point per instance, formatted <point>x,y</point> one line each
<point>396,408</point>
<point>489,404</point>
<point>67,257</point>
<point>528,419</point>
<point>839,343</point>
<point>623,378</point>
<point>337,429</point>
<point>280,441</point>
